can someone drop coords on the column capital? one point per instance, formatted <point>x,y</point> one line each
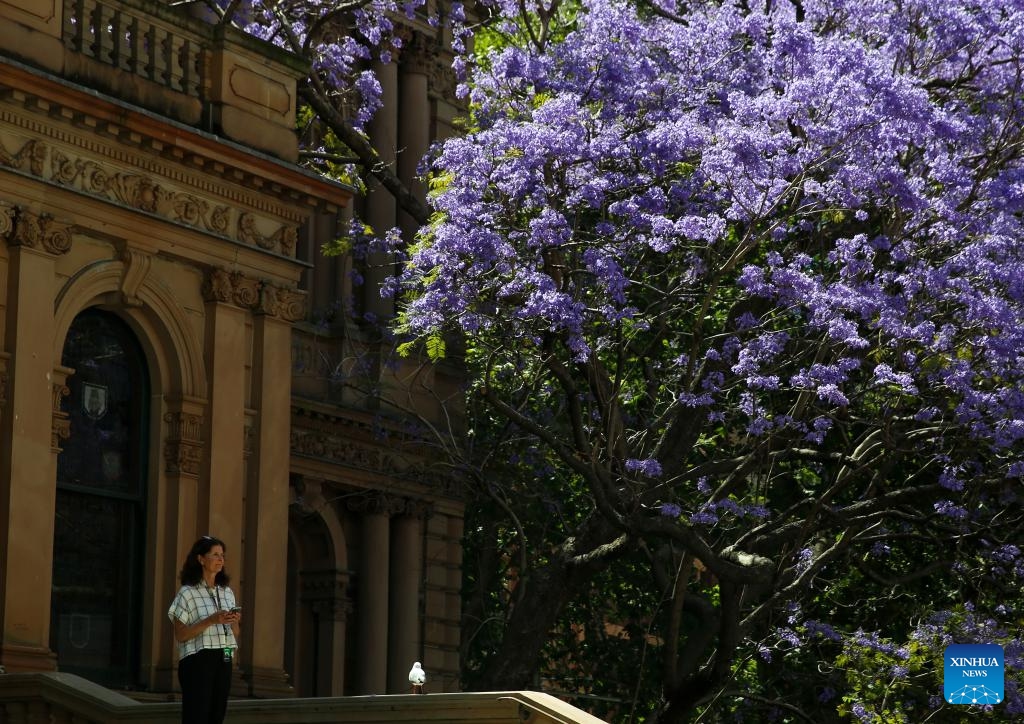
<point>183,447</point>
<point>419,53</point>
<point>42,231</point>
<point>378,502</point>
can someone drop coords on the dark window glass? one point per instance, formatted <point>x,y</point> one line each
<point>101,482</point>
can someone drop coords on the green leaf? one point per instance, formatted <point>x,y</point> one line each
<point>435,348</point>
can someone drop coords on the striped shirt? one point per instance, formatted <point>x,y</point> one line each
<point>195,603</point>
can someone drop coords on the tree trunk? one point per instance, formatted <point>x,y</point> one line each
<point>516,663</point>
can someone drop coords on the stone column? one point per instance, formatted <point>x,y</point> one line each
<point>29,433</point>
<point>372,597</point>
<point>380,204</point>
<point>266,534</point>
<point>176,521</point>
<point>220,503</point>
<point>418,59</point>
<point>404,640</point>
<point>322,284</point>
<point>443,609</point>
<point>324,592</point>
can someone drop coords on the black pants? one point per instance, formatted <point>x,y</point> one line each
<point>205,679</point>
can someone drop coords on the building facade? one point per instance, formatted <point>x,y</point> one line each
<point>168,368</point>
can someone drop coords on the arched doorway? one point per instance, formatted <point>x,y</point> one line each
<point>99,531</point>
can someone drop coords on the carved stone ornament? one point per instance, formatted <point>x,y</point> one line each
<point>61,426</point>
<point>217,286</point>
<point>22,227</point>
<point>283,240</point>
<point>136,269</point>
<point>183,449</point>
<point>419,53</point>
<point>31,157</point>
<point>376,502</point>
<point>288,304</point>
<point>8,211</point>
<point>248,293</point>
<point>139,191</point>
<point>291,304</point>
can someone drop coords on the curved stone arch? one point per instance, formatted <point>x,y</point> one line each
<point>316,595</point>
<point>175,355</point>
<point>314,505</point>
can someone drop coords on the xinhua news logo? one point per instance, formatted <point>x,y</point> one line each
<point>973,674</point>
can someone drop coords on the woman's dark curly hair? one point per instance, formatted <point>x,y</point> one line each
<point>192,570</point>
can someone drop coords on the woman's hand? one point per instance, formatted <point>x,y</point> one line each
<point>217,617</point>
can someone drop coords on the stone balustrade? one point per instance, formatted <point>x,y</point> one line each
<point>162,59</point>
<point>59,698</point>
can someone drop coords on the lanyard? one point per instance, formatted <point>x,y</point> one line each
<point>216,601</point>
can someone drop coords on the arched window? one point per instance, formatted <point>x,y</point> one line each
<point>99,531</point>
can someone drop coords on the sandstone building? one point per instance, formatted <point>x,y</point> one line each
<point>167,369</point>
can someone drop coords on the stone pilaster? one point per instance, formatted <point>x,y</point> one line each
<point>372,592</point>
<point>406,577</point>
<point>28,457</point>
<point>267,496</point>
<point>222,478</point>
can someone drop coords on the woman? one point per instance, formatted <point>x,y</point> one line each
<point>205,618</point>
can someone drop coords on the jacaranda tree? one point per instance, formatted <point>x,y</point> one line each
<point>739,290</point>
<point>749,279</point>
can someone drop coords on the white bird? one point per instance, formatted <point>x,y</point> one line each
<point>417,677</point>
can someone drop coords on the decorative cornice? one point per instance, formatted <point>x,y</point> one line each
<point>336,440</point>
<point>147,193</point>
<point>377,502</point>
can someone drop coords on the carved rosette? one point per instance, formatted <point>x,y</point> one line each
<point>22,227</point>
<point>183,449</point>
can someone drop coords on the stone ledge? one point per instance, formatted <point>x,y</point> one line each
<point>38,697</point>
